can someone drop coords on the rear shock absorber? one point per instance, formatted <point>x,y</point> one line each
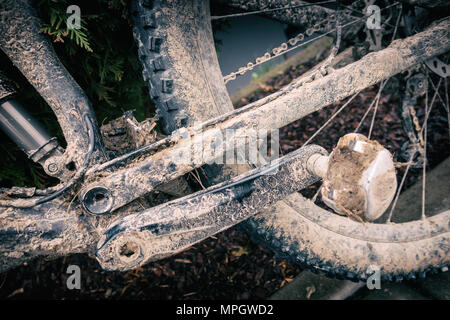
<point>26,131</point>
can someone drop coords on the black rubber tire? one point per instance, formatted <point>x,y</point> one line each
<point>292,228</point>
<point>316,239</point>
<point>179,61</point>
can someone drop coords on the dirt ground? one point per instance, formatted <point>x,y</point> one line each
<point>229,265</point>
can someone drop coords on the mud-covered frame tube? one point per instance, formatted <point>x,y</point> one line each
<point>52,229</point>
<point>32,53</point>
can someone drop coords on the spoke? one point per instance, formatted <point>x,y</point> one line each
<point>331,119</point>
<point>375,111</point>
<point>314,198</point>
<point>399,189</point>
<point>425,129</point>
<point>427,114</point>
<point>365,115</point>
<point>394,34</point>
<point>437,92</point>
<point>447,105</point>
<point>383,83</point>
<point>196,176</point>
<point>376,100</point>
<point>241,14</point>
<point>444,103</point>
<point>424,175</point>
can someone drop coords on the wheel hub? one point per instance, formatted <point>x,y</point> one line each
<point>358,177</point>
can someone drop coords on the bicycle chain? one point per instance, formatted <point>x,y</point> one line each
<point>277,51</point>
<point>416,124</point>
<point>323,26</point>
<point>413,150</point>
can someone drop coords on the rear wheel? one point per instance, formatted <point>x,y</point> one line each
<point>180,66</point>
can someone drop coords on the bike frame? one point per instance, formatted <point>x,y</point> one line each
<point>54,228</point>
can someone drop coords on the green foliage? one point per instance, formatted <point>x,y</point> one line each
<point>57,26</point>
<point>102,58</point>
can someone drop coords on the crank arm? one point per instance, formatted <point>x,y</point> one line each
<point>169,228</point>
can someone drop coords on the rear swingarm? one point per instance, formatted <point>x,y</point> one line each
<point>169,228</point>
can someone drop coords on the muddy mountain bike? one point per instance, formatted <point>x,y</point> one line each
<point>93,209</point>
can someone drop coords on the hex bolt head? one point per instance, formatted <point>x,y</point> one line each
<point>123,251</point>
<point>97,200</point>
<point>52,168</point>
<point>129,252</point>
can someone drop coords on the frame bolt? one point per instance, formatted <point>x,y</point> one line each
<point>52,167</point>
<point>97,200</point>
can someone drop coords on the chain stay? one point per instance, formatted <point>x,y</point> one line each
<point>171,227</point>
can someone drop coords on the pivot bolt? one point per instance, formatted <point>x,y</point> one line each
<point>97,200</point>
<point>52,168</point>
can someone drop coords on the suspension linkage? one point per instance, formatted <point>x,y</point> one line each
<point>171,227</point>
